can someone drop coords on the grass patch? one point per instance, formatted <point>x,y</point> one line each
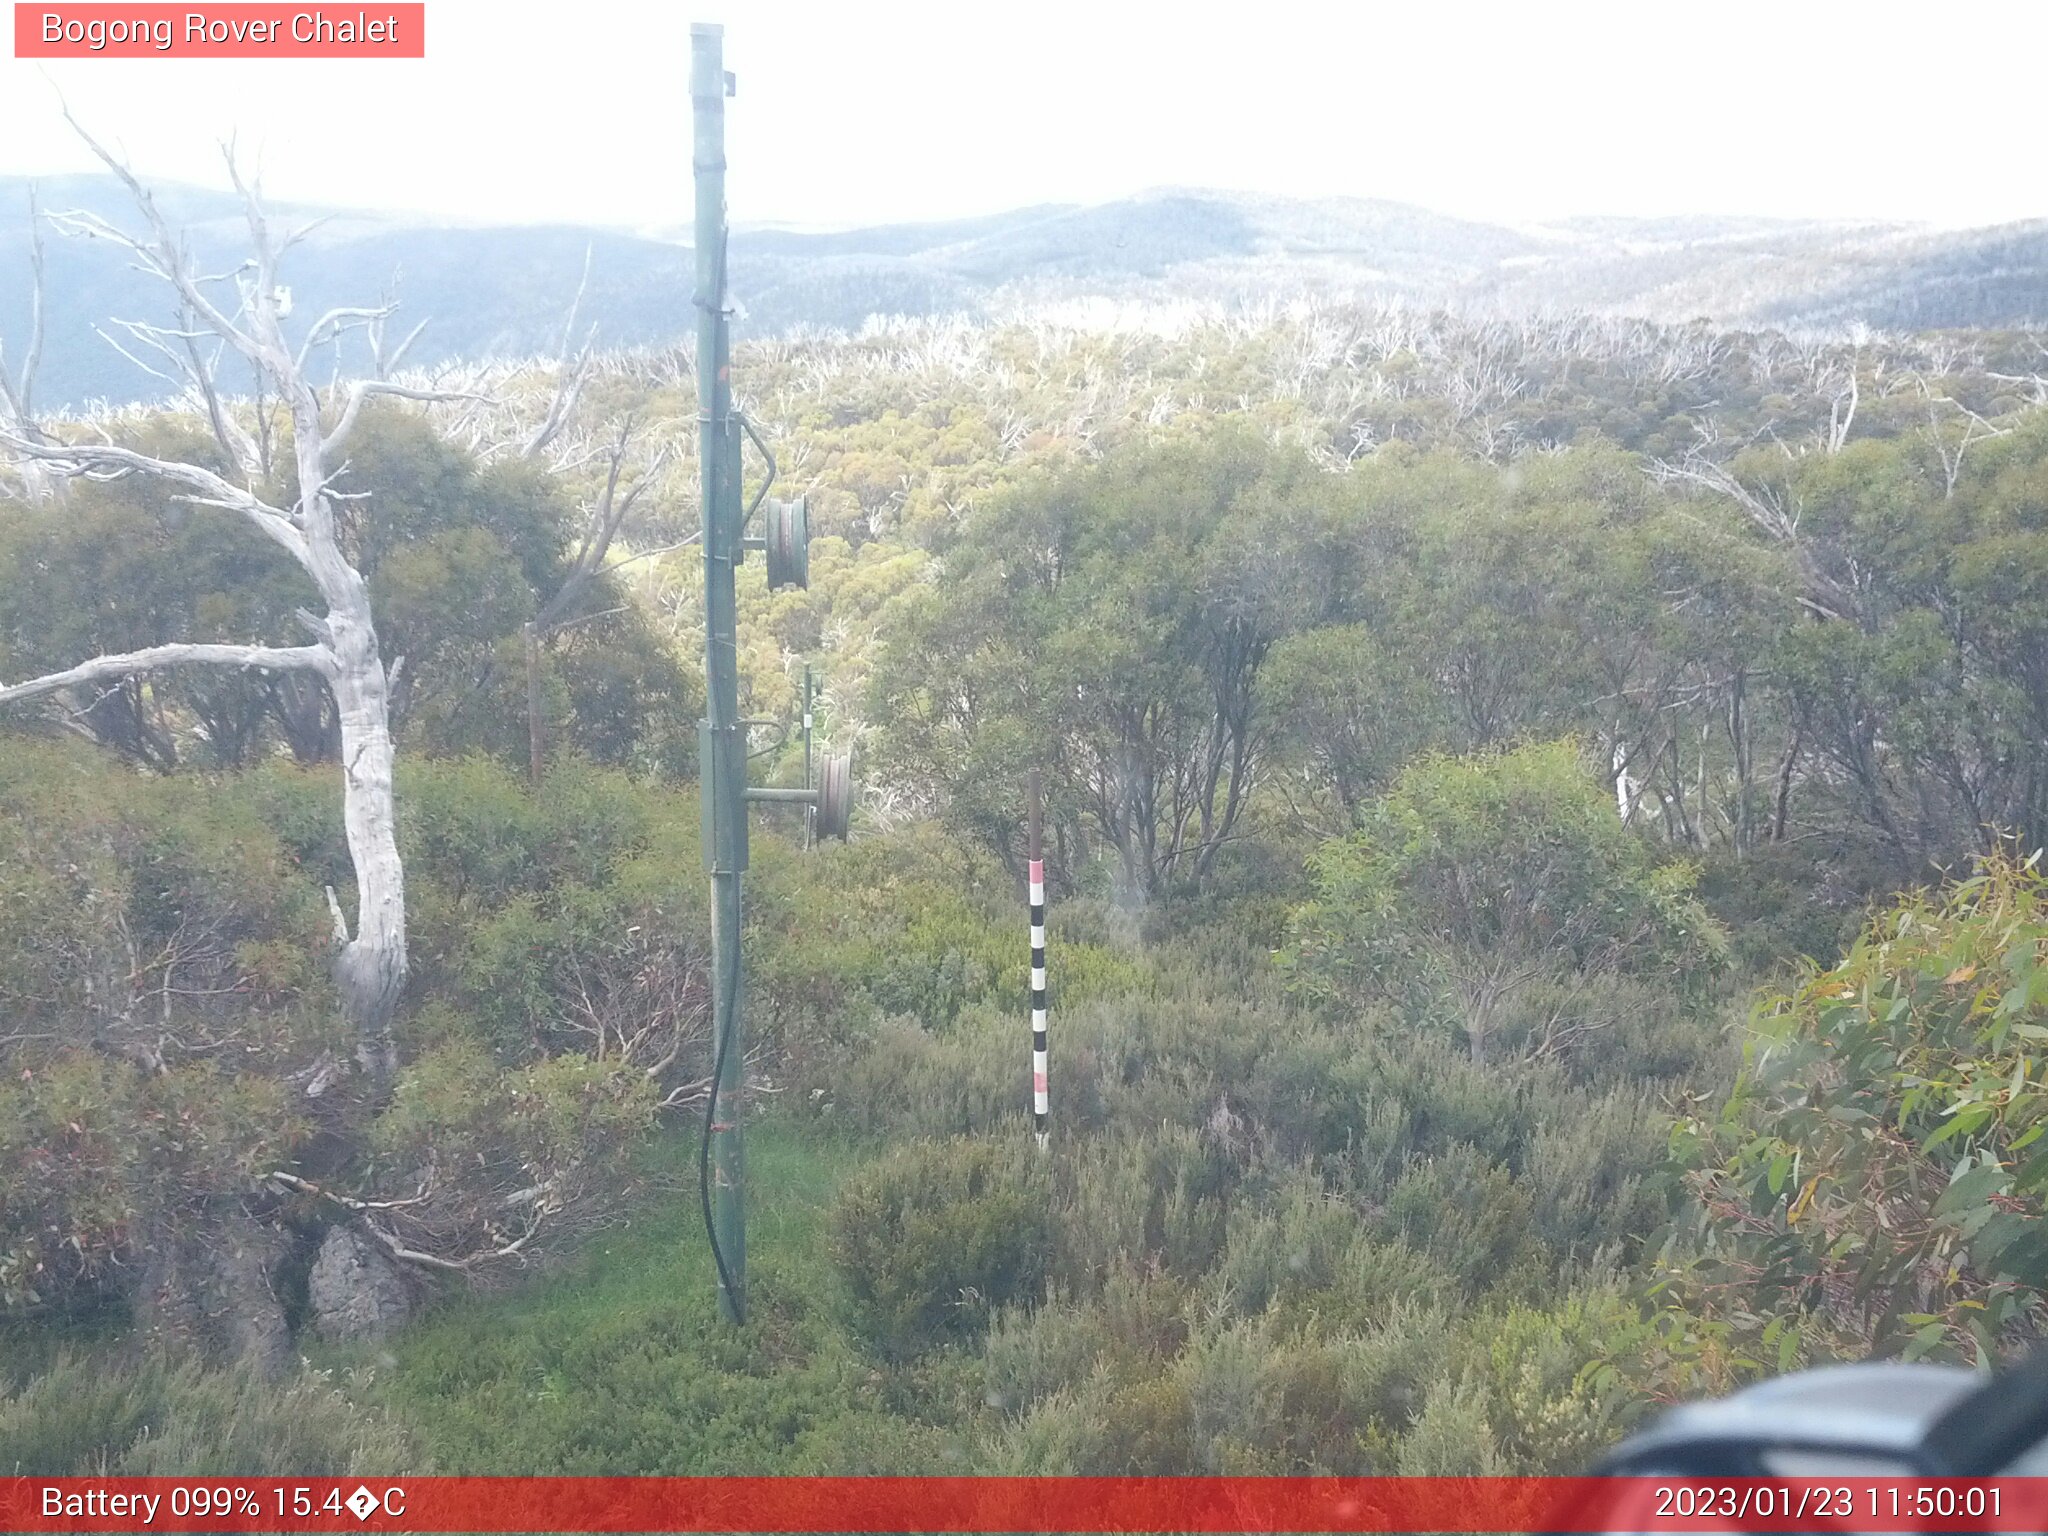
<point>31,1346</point>
<point>618,1363</point>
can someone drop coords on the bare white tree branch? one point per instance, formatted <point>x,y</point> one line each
<point>108,461</point>
<point>158,658</point>
<point>17,393</point>
<point>363,389</point>
<point>569,375</point>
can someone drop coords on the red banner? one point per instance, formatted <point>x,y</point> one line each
<point>236,31</point>
<point>992,1504</point>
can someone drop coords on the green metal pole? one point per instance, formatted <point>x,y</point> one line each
<point>722,747</point>
<point>810,812</point>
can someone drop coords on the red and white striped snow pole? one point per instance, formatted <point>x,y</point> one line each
<point>1041,1103</point>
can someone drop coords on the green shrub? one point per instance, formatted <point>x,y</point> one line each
<point>1234,1405</point>
<point>1784,902</point>
<point>1450,1437</point>
<point>911,924</point>
<point>931,1239</point>
<point>1155,1198</point>
<point>1241,1397</point>
<point>536,1154</point>
<point>1475,879</point>
<point>1107,1429</point>
<point>1340,1398</point>
<point>1313,1097</point>
<point>1306,1253</point>
<point>1592,1176</point>
<point>906,1080</point>
<point>160,972</point>
<point>152,1418</point>
<point>1554,1401</point>
<point>1876,1179</point>
<point>1032,1353</point>
<point>1467,1214</point>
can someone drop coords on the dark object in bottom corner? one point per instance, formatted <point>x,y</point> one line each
<point>1877,1419</point>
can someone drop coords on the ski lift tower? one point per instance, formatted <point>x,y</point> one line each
<point>722,735</point>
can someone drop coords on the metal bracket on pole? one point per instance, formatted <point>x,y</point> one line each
<point>830,803</point>
<point>725,816</point>
<point>762,489</point>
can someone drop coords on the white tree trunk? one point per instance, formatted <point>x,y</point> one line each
<point>1626,789</point>
<point>371,966</point>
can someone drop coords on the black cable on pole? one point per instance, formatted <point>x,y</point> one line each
<point>704,1146</point>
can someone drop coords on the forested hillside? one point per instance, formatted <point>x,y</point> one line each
<point>496,292</point>
<point>1544,918</point>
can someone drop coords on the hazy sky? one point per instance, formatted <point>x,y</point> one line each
<point>874,110</point>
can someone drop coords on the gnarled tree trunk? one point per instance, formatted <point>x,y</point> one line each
<point>371,965</point>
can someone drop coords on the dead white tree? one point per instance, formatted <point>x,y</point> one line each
<point>1772,509</point>
<point>1774,512</point>
<point>1950,446</point>
<point>1842,408</point>
<point>572,371</point>
<point>17,392</point>
<point>241,312</point>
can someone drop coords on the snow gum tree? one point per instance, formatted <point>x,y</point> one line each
<point>242,315</point>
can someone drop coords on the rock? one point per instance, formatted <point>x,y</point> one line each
<point>253,1319</point>
<point>356,1290</point>
<point>207,1291</point>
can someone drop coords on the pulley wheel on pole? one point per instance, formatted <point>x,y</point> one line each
<point>786,539</point>
<point>835,795</point>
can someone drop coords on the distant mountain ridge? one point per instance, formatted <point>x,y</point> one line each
<point>504,291</point>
